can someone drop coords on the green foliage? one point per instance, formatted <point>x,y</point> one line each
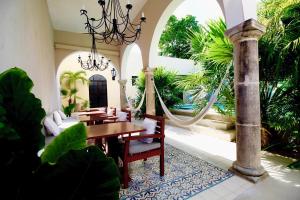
<point>165,83</point>
<point>295,165</point>
<point>69,109</point>
<point>69,89</point>
<point>174,41</point>
<point>279,71</point>
<point>86,104</point>
<point>72,138</point>
<point>84,174</point>
<point>214,51</point>
<point>279,67</point>
<point>20,130</point>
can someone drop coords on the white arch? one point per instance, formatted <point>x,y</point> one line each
<point>132,65</point>
<point>234,11</point>
<point>70,63</point>
<point>153,54</point>
<point>127,58</point>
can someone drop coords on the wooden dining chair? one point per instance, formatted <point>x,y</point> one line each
<point>128,114</point>
<point>112,114</point>
<point>136,150</point>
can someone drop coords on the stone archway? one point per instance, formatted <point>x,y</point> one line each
<point>69,62</point>
<point>244,32</point>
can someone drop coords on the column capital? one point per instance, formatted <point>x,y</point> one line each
<point>247,30</point>
<point>122,82</point>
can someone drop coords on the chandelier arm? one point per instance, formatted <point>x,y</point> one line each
<point>121,14</point>
<point>114,27</point>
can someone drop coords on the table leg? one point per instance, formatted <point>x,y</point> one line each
<point>100,144</point>
<point>114,148</point>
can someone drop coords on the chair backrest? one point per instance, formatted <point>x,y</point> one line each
<point>128,114</point>
<point>114,110</point>
<point>160,125</point>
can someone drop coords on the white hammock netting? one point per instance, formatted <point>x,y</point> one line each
<point>140,104</point>
<point>201,114</point>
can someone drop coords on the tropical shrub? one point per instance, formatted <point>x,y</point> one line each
<point>78,174</point>
<point>279,73</point>
<point>69,89</point>
<point>165,83</point>
<point>214,52</point>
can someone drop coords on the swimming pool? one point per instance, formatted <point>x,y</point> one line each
<point>185,106</point>
<point>188,106</point>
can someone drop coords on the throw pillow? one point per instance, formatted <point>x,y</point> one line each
<point>110,111</point>
<point>62,115</point>
<point>149,125</point>
<point>57,118</point>
<point>122,116</point>
<point>51,126</point>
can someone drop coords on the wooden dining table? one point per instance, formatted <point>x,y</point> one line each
<point>110,133</point>
<point>94,119</point>
<point>112,130</point>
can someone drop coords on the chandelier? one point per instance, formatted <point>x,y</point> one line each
<point>94,62</point>
<point>114,26</point>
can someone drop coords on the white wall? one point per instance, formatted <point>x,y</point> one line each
<point>26,41</point>
<point>132,65</point>
<point>181,66</point>
<point>70,63</point>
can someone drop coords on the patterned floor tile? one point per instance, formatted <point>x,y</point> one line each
<point>185,176</point>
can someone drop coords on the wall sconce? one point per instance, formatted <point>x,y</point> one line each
<point>113,74</point>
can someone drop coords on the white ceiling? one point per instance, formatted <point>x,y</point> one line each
<point>65,14</point>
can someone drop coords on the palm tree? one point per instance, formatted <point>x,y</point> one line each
<point>69,79</point>
<point>214,52</point>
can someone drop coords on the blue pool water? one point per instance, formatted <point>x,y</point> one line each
<point>185,106</point>
<point>193,106</point>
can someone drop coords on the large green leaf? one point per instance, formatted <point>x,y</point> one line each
<point>85,174</point>
<point>24,111</point>
<point>72,138</point>
<point>20,133</point>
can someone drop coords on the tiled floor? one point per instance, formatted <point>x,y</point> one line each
<point>283,183</point>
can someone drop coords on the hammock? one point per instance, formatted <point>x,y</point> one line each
<point>140,104</point>
<point>201,114</point>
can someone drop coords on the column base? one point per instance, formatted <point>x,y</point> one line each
<point>252,175</point>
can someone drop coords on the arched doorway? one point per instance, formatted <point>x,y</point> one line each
<point>98,91</point>
<point>68,62</point>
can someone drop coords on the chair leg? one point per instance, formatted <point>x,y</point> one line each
<point>125,174</point>
<point>162,164</point>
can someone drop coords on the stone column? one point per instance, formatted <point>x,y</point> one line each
<point>150,93</point>
<point>246,82</point>
<point>123,100</point>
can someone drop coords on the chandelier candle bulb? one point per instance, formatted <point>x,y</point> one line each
<point>143,15</point>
